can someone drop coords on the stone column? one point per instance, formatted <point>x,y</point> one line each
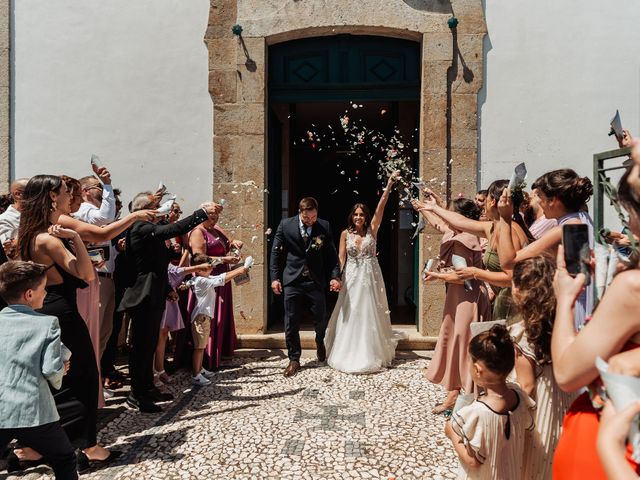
<point>452,77</point>
<point>5,95</point>
<point>436,59</point>
<point>237,88</point>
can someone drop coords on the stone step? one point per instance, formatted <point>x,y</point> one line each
<point>412,340</point>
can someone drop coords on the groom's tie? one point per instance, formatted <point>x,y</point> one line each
<point>305,235</point>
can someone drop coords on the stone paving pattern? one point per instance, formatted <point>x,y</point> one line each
<point>253,423</point>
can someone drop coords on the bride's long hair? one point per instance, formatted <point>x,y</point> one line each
<point>351,227</point>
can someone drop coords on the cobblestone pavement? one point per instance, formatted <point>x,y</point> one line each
<point>254,423</point>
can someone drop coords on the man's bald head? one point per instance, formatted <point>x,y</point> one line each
<point>17,190</point>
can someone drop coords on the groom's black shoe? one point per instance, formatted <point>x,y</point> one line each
<point>321,351</point>
<point>292,368</point>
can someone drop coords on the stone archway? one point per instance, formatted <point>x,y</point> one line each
<point>237,83</point>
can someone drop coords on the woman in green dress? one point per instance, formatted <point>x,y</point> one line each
<point>493,274</point>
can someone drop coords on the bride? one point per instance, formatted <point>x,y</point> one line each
<point>359,338</point>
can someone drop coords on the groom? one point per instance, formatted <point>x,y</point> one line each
<point>305,245</point>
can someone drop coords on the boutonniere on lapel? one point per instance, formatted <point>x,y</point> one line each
<point>317,242</point>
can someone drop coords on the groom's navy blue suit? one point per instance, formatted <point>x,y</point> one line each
<point>303,266</point>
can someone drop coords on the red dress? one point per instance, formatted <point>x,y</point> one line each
<point>222,340</point>
<point>576,457</point>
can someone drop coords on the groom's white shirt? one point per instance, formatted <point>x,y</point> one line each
<point>304,228</point>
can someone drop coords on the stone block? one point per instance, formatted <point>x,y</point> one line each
<point>223,158</point>
<point>254,48</point>
<point>5,15</point>
<point>239,119</point>
<point>469,80</point>
<point>432,298</point>
<point>254,243</point>
<point>248,158</point>
<point>252,84</point>
<point>463,137</point>
<point>218,31</point>
<point>466,7</point>
<point>433,163</point>
<point>464,164</point>
<point>472,22</point>
<point>471,47</point>
<point>437,47</point>
<point>464,171</point>
<point>431,295</point>
<point>4,68</point>
<point>250,303</point>
<point>5,164</point>
<point>231,218</point>
<point>222,53</point>
<point>244,207</point>
<point>253,209</point>
<point>4,111</point>
<point>223,86</point>
<point>434,120</point>
<point>464,111</point>
<point>223,12</point>
<point>434,76</point>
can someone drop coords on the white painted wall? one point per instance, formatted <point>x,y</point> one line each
<point>555,73</point>
<point>128,81</point>
<point>124,79</point>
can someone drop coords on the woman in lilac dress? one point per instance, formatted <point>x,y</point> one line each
<point>211,240</point>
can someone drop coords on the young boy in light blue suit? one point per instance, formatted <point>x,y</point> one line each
<point>31,357</point>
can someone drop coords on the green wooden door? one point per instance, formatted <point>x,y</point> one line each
<point>344,67</point>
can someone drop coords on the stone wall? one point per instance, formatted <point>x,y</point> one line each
<point>237,83</point>
<point>5,95</point>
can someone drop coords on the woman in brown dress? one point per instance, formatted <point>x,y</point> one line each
<point>463,305</point>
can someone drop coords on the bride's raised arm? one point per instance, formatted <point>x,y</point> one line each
<point>377,216</point>
<point>342,250</point>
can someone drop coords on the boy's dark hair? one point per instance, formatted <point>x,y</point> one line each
<point>17,276</point>
<point>484,193</point>
<point>495,348</point>
<point>199,259</point>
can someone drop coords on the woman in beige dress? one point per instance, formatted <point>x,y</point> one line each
<point>534,298</point>
<point>463,305</point>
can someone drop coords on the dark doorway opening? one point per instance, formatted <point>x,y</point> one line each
<point>329,169</point>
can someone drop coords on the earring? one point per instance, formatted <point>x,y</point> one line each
<point>54,206</point>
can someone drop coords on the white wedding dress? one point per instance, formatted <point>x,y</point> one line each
<point>359,338</point>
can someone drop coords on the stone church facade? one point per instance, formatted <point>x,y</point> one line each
<point>451,76</point>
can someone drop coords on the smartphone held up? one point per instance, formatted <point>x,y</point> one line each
<point>577,252</point>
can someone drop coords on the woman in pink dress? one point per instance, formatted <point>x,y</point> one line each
<point>464,304</point>
<point>211,240</point>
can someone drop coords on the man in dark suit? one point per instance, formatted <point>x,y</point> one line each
<point>145,298</point>
<point>303,245</point>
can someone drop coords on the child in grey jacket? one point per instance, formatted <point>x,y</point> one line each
<point>31,358</point>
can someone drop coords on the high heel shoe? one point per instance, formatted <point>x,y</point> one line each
<point>14,464</point>
<point>85,463</point>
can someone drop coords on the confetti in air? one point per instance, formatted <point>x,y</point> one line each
<point>389,152</point>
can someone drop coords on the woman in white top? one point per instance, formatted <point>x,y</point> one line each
<point>563,195</point>
<point>535,301</point>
